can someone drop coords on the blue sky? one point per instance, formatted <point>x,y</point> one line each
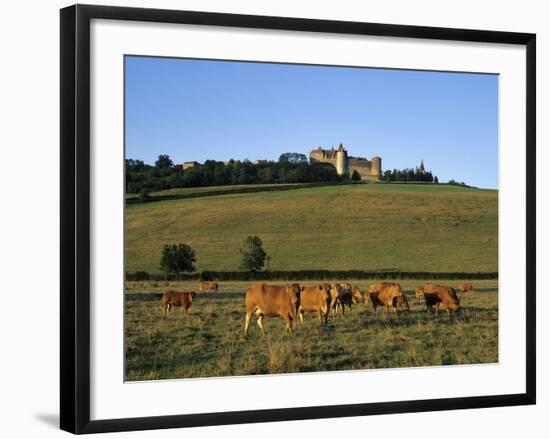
<point>198,110</point>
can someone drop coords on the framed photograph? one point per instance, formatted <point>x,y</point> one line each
<point>274,218</point>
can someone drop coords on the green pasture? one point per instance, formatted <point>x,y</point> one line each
<point>429,228</point>
<point>210,342</point>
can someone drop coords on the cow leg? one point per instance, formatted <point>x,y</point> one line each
<point>247,321</point>
<point>288,325</point>
<point>260,323</point>
<point>301,313</point>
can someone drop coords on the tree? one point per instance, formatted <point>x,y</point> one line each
<point>355,176</point>
<point>177,258</point>
<point>252,255</point>
<point>293,158</point>
<point>164,162</point>
<point>144,195</point>
<point>436,180</point>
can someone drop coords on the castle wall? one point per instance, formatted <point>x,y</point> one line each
<point>368,169</point>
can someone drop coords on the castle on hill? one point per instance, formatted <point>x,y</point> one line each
<point>345,165</point>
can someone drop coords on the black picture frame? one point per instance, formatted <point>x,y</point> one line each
<point>75,217</point>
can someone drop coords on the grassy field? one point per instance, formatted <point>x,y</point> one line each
<point>366,227</point>
<point>209,341</point>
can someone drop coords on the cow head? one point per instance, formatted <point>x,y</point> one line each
<point>454,307</point>
<point>400,302</point>
<point>193,294</point>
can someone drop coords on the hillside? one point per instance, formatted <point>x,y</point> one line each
<point>370,227</point>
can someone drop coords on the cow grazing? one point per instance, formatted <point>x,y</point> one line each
<point>466,288</point>
<point>446,298</point>
<point>387,292</point>
<point>315,299</point>
<point>401,302</point>
<point>172,298</point>
<point>272,301</point>
<point>208,286</point>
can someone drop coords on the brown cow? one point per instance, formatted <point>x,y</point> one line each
<point>373,297</point>
<point>419,292</point>
<point>431,299</point>
<point>446,298</point>
<point>315,299</point>
<point>208,286</point>
<point>347,297</point>
<point>334,293</point>
<point>387,292</point>
<point>401,302</point>
<point>172,298</point>
<point>466,288</point>
<point>272,301</point>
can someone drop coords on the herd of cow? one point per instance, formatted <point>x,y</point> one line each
<point>293,300</point>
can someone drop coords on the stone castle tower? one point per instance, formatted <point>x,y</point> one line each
<point>346,165</point>
<point>342,162</point>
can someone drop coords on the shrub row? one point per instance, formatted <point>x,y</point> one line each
<point>231,191</point>
<point>308,275</point>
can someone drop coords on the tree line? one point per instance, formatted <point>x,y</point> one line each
<point>164,174</point>
<point>409,174</point>
<point>301,275</point>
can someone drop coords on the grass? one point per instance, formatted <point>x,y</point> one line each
<point>209,341</point>
<point>365,227</point>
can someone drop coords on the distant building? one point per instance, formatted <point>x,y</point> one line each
<point>188,165</point>
<point>345,165</point>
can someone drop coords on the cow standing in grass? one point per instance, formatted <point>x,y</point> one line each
<point>466,288</point>
<point>272,301</point>
<point>315,299</point>
<point>334,293</point>
<point>172,298</point>
<point>208,286</point>
<point>387,294</point>
<point>440,296</point>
